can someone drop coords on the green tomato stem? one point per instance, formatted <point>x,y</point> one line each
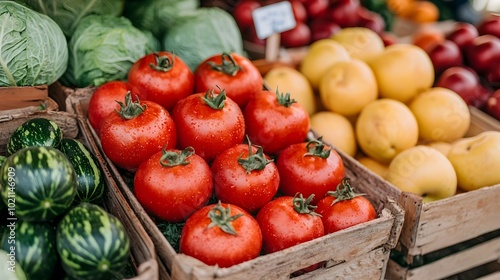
<point>316,148</point>
<point>303,206</point>
<point>284,99</point>
<point>222,218</point>
<point>171,158</point>
<point>228,65</point>
<point>215,102</point>
<point>162,63</point>
<point>344,191</point>
<point>130,109</point>
<point>257,161</point>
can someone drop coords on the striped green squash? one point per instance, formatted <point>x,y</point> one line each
<point>2,160</point>
<point>92,243</point>
<point>40,181</point>
<point>34,246</point>
<point>34,132</point>
<point>90,180</point>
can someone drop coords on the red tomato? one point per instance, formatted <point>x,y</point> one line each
<point>309,168</point>
<point>222,235</point>
<point>103,102</point>
<point>234,73</point>
<point>161,77</point>
<point>242,13</point>
<point>344,208</point>
<point>275,121</point>
<point>244,176</point>
<point>181,179</point>
<point>208,122</point>
<point>298,36</point>
<point>287,221</point>
<point>344,12</point>
<point>136,132</point>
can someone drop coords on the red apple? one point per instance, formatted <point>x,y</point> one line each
<point>316,8</point>
<point>482,51</point>
<point>493,105</point>
<point>299,11</point>
<point>298,36</point>
<point>371,20</point>
<point>344,12</point>
<point>490,25</point>
<point>492,76</point>
<point>462,34</point>
<point>388,38</point>
<point>444,54</point>
<point>242,13</point>
<point>322,28</point>
<point>466,83</point>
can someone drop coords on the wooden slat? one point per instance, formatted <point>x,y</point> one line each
<point>462,217</point>
<point>368,266</point>
<point>482,122</point>
<point>492,276</point>
<point>21,97</point>
<point>361,240</point>
<point>450,265</point>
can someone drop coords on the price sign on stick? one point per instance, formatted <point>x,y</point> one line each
<point>269,22</point>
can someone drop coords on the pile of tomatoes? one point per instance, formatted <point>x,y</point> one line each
<point>216,133</point>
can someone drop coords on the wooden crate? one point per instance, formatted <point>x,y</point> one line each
<point>47,102</point>
<point>360,252</point>
<point>142,250</point>
<point>452,235</point>
<point>23,97</point>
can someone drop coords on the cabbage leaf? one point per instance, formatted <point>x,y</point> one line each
<point>198,34</point>
<point>104,48</point>
<point>33,49</point>
<point>68,13</point>
<point>157,15</point>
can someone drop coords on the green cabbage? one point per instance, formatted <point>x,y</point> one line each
<point>198,34</point>
<point>33,49</point>
<point>103,49</point>
<point>156,15</point>
<point>68,13</point>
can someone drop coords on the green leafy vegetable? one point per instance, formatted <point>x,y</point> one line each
<point>68,13</point>
<point>172,232</point>
<point>157,15</point>
<point>103,49</point>
<point>33,49</point>
<point>198,34</point>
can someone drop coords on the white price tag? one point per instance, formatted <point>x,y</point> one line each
<point>274,18</point>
